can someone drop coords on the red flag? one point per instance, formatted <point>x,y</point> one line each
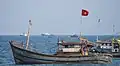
<point>84,12</point>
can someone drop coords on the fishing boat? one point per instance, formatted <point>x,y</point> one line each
<point>74,35</point>
<point>109,46</point>
<point>67,53</point>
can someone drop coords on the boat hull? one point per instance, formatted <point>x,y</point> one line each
<point>23,56</point>
<point>116,55</point>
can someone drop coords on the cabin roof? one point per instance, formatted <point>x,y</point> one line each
<point>74,43</point>
<point>104,42</point>
<point>69,39</point>
<point>107,42</point>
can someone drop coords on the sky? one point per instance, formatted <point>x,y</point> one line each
<point>59,16</point>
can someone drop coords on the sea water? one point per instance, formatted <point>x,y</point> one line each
<point>44,44</point>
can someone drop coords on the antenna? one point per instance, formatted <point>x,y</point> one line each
<point>113,28</point>
<point>80,36</point>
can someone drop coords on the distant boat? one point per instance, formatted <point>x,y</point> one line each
<point>23,34</point>
<point>74,35</point>
<point>45,34</point>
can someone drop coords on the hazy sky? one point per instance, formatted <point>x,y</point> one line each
<point>59,16</point>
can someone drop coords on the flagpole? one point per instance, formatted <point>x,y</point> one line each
<point>81,24</point>
<point>81,19</point>
<point>98,29</point>
<point>113,28</point>
<point>83,13</point>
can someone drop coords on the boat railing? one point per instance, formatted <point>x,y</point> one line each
<point>17,43</point>
<point>103,54</point>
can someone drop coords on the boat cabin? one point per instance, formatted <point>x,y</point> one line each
<point>109,45</point>
<point>74,47</point>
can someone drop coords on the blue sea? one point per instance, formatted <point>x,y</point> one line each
<point>44,44</point>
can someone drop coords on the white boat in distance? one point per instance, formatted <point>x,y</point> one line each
<point>23,34</point>
<point>45,34</point>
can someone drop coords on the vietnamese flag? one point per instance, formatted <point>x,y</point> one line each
<point>84,12</point>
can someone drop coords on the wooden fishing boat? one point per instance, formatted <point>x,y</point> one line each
<point>68,52</point>
<point>23,56</point>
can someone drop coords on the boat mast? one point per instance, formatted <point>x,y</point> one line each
<point>97,38</point>
<point>28,34</point>
<point>80,35</point>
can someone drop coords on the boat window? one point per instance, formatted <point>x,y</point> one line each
<point>110,44</point>
<point>115,50</point>
<point>76,46</point>
<point>107,44</point>
<point>71,46</point>
<point>66,46</point>
<point>116,45</point>
<point>104,44</point>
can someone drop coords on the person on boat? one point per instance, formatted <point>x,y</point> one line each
<point>82,51</point>
<point>85,50</point>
